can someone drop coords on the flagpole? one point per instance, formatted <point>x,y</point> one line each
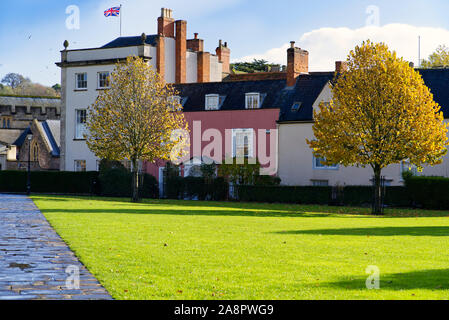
<point>120,20</point>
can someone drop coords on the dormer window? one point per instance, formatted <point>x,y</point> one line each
<point>212,102</point>
<point>296,106</point>
<point>252,101</point>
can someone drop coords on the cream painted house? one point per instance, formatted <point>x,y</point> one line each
<point>298,166</point>
<point>85,72</point>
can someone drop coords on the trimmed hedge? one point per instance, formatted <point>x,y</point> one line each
<point>284,194</point>
<point>196,188</point>
<point>115,182</point>
<point>50,182</point>
<point>350,195</point>
<point>429,192</point>
<point>363,195</point>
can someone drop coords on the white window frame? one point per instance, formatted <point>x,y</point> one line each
<point>77,81</point>
<point>250,99</point>
<point>78,166</point>
<point>107,79</point>
<point>250,134</point>
<point>80,128</point>
<point>212,102</point>
<point>323,167</point>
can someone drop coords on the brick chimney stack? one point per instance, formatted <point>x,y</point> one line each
<point>195,44</point>
<point>203,65</point>
<point>341,66</point>
<point>166,23</point>
<point>297,63</point>
<point>224,56</point>
<point>181,51</point>
<point>160,56</point>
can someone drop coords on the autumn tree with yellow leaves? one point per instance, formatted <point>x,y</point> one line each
<point>138,119</point>
<point>381,113</point>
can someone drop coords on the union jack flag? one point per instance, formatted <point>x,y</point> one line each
<point>112,12</point>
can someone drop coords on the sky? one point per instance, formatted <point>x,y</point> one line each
<point>32,32</point>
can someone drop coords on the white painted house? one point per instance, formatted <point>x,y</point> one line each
<point>84,72</point>
<point>297,164</point>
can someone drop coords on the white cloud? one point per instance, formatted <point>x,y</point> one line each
<point>327,45</point>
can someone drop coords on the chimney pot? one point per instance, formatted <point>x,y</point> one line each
<point>292,44</point>
<point>166,26</point>
<point>220,43</point>
<point>166,13</point>
<point>196,35</point>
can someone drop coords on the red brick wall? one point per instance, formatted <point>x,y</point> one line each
<point>166,27</point>
<point>181,49</point>
<point>196,45</point>
<point>224,56</point>
<point>341,66</point>
<point>203,65</point>
<point>160,57</point>
<point>297,63</point>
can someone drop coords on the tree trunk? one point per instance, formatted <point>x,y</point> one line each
<point>135,181</point>
<point>378,194</point>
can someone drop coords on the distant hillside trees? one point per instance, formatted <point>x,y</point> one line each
<point>17,84</point>
<point>255,66</point>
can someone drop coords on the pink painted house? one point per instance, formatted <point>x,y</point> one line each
<point>238,117</point>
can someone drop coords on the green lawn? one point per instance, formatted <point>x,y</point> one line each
<point>195,250</point>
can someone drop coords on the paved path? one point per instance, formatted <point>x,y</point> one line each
<point>34,259</point>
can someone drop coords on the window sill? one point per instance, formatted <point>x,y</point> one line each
<point>75,139</point>
<point>101,89</point>
<point>326,169</point>
<point>80,90</point>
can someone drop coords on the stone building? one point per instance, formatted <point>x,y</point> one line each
<point>40,143</point>
<point>16,115</point>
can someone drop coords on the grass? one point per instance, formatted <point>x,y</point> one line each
<point>195,250</point>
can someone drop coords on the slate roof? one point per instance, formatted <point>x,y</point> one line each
<point>234,91</point>
<point>438,82</point>
<point>130,41</point>
<point>275,94</point>
<point>21,139</point>
<point>307,89</point>
<point>50,130</point>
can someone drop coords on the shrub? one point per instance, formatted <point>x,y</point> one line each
<point>219,189</point>
<point>195,187</point>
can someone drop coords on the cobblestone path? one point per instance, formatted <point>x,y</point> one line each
<point>35,263</point>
